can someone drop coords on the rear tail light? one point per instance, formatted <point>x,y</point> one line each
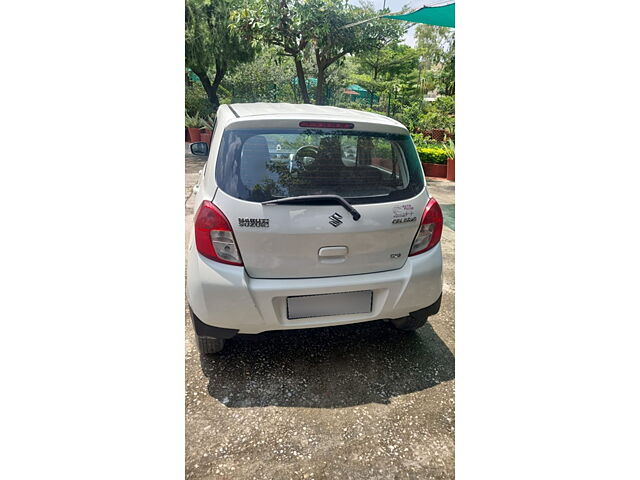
<point>214,237</point>
<point>430,229</point>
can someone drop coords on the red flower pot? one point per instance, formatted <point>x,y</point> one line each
<point>205,137</point>
<point>434,170</point>
<point>194,135</point>
<point>451,169</point>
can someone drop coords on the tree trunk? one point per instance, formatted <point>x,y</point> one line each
<point>322,64</point>
<point>302,83</point>
<point>375,77</point>
<point>217,80</point>
<point>320,87</point>
<point>211,88</point>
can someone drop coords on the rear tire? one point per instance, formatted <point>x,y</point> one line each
<point>409,323</point>
<point>209,345</point>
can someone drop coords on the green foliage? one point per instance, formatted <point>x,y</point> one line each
<point>209,122</point>
<point>194,121</point>
<point>331,41</point>
<point>436,119</point>
<point>285,25</point>
<point>419,140</point>
<point>268,78</point>
<point>269,50</point>
<point>439,114</point>
<point>338,77</point>
<point>210,43</point>
<point>314,28</point>
<point>437,49</point>
<point>434,43</point>
<point>392,72</point>
<point>447,77</point>
<point>450,149</point>
<point>445,104</point>
<point>432,154</point>
<point>389,62</point>
<point>422,141</point>
<point>416,115</point>
<point>366,81</point>
<point>212,47</point>
<point>410,115</point>
<point>196,101</point>
<point>358,105</point>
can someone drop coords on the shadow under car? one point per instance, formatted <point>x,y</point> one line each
<point>327,367</point>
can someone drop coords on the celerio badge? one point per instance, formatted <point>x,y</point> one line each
<point>404,214</point>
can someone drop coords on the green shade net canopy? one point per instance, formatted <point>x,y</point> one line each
<point>442,15</point>
<point>357,88</point>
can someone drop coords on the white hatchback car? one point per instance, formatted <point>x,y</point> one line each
<point>310,216</point>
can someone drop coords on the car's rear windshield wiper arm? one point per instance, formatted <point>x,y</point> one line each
<point>313,198</point>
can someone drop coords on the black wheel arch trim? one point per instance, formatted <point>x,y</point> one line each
<point>204,330</point>
<point>428,311</point>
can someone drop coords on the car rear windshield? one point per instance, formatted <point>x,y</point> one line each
<point>364,167</point>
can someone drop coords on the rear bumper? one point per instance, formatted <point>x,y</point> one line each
<point>224,296</point>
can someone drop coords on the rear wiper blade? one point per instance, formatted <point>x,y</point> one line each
<point>313,198</point>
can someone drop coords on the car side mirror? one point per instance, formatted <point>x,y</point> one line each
<point>200,148</point>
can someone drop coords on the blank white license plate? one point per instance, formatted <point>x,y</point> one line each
<point>329,304</point>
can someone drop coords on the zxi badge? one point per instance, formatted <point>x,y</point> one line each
<point>335,219</point>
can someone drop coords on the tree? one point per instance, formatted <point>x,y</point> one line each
<point>393,62</point>
<point>331,41</point>
<point>437,49</point>
<point>212,48</point>
<point>265,79</point>
<point>447,75</point>
<point>434,42</point>
<point>338,78</point>
<point>303,27</point>
<point>440,114</point>
<point>282,23</point>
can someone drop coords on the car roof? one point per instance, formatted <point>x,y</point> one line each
<point>277,110</point>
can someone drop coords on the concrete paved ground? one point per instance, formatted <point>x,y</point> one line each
<point>352,402</point>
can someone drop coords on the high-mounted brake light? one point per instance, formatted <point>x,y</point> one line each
<point>430,229</point>
<point>326,125</point>
<point>214,236</point>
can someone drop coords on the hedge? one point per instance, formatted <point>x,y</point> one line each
<point>432,155</point>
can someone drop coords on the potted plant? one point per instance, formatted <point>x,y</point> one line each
<point>434,161</point>
<point>207,129</point>
<point>193,125</point>
<point>450,150</point>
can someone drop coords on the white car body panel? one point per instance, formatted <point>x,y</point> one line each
<point>290,247</point>
<point>225,296</point>
<point>284,260</point>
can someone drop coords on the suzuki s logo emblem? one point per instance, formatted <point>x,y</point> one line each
<point>335,219</point>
